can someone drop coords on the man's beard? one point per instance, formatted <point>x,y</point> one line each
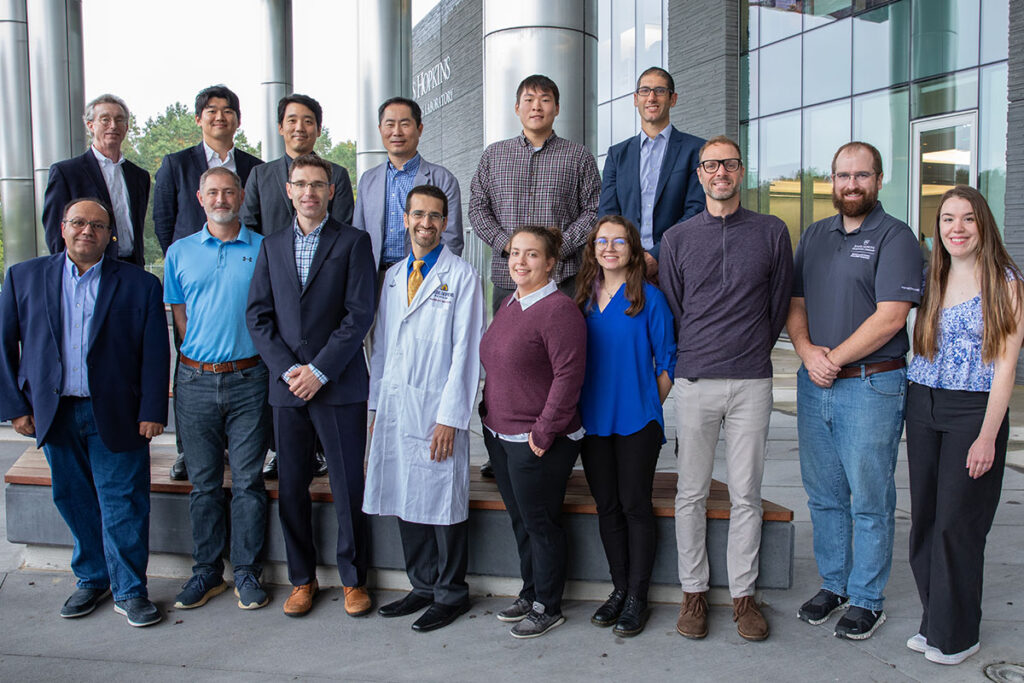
<point>856,206</point>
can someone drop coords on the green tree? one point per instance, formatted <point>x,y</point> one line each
<point>343,154</point>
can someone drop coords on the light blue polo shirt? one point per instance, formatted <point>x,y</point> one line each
<point>212,279</point>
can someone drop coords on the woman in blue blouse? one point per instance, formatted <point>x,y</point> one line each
<point>966,340</point>
<point>631,354</point>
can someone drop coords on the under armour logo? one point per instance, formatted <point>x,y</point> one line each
<point>247,258</point>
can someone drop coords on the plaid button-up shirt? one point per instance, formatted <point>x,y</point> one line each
<point>305,248</point>
<point>515,185</point>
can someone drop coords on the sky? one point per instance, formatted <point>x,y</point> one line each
<point>154,53</point>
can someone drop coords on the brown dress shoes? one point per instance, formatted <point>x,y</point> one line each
<point>357,601</point>
<point>300,601</point>
<point>750,623</point>
<point>693,615</point>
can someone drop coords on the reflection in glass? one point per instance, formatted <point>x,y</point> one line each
<point>748,25</point>
<point>604,127</point>
<point>821,12</point>
<point>648,21</point>
<point>748,150</point>
<point>748,86</point>
<point>623,47</point>
<point>992,139</point>
<point>883,120</point>
<point>624,122</point>
<point>604,50</point>
<point>779,76</point>
<point>881,55</point>
<point>955,92</point>
<point>826,128</point>
<point>945,161</point>
<point>779,19</point>
<point>995,39</point>
<point>945,36</point>
<point>779,169</point>
<point>827,63</point>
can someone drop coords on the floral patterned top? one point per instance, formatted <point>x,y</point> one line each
<point>957,364</point>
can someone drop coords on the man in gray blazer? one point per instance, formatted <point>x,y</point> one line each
<point>380,205</point>
<point>267,208</point>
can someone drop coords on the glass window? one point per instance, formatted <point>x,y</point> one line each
<point>883,120</point>
<point>604,127</point>
<point>779,169</point>
<point>995,39</point>
<point>623,119</point>
<point>881,54</point>
<point>779,77</point>
<point>955,92</point>
<point>623,47</point>
<point>827,63</point>
<point>821,12</point>
<point>826,128</point>
<point>992,139</point>
<point>604,50</point>
<point>779,19</point>
<point>945,36</point>
<point>748,150</point>
<point>748,25</point>
<point>748,86</point>
<point>648,21</point>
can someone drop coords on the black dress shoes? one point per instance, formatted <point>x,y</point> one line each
<point>410,604</point>
<point>321,465</point>
<point>83,601</point>
<point>633,618</point>
<point>439,616</point>
<point>608,613</point>
<point>487,470</point>
<point>270,469</point>
<point>178,471</point>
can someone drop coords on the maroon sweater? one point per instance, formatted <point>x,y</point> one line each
<point>535,361</point>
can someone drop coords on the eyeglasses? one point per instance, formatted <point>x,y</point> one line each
<point>107,120</point>
<point>660,91</point>
<point>711,165</point>
<point>859,176</point>
<point>316,185</point>
<point>433,216</point>
<point>80,223</point>
<point>605,243</point>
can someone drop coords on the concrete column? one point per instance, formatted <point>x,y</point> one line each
<point>16,191</point>
<point>556,39</point>
<point>57,82</point>
<point>1013,230</point>
<point>384,41</point>
<point>277,69</point>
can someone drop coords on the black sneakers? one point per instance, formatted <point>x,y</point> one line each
<point>859,623</point>
<point>818,609</point>
<point>83,601</point>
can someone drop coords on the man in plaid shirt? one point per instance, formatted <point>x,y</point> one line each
<point>535,178</point>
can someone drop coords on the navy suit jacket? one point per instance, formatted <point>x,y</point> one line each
<point>128,359</point>
<point>678,196</point>
<point>176,211</point>
<point>267,208</point>
<point>323,323</point>
<point>81,177</point>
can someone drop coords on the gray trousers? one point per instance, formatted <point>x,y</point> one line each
<point>741,410</point>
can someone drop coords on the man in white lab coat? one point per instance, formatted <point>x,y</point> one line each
<point>424,372</point>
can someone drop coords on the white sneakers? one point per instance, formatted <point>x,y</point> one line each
<point>919,643</point>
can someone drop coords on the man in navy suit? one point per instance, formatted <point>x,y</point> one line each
<point>651,178</point>
<point>176,213</point>
<point>89,381</point>
<point>104,173</point>
<point>311,303</point>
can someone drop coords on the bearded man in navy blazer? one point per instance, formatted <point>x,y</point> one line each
<point>311,303</point>
<point>104,173</point>
<point>84,368</point>
<point>176,213</point>
<point>651,178</point>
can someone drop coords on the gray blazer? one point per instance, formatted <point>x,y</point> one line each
<point>267,208</point>
<point>371,216</point>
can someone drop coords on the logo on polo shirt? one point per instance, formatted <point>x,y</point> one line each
<point>864,250</point>
<point>248,259</point>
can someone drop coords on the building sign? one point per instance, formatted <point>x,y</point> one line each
<point>429,80</point>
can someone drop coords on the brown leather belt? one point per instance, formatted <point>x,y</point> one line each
<point>226,366</point>
<point>849,371</point>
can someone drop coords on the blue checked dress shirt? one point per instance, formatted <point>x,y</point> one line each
<point>399,184</point>
<point>305,248</point>
<point>652,153</point>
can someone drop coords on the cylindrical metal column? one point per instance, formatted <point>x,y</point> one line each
<point>277,69</point>
<point>556,39</point>
<point>16,192</point>
<point>384,41</point>
<point>57,82</point>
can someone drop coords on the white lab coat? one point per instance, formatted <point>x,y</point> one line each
<point>424,371</point>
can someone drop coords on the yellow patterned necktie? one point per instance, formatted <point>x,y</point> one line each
<point>415,278</point>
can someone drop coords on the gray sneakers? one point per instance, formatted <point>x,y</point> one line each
<point>517,611</point>
<point>536,624</point>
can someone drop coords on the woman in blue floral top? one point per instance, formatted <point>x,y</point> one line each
<point>966,341</point>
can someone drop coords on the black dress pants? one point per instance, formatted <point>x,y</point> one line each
<point>436,558</point>
<point>620,472</point>
<point>533,489</point>
<point>951,514</point>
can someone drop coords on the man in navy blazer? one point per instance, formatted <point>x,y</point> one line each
<point>651,178</point>
<point>176,213</point>
<point>381,212</point>
<point>267,207</point>
<point>104,173</point>
<point>84,368</point>
<point>311,303</point>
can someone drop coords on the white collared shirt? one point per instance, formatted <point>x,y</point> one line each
<point>117,188</point>
<point>213,159</point>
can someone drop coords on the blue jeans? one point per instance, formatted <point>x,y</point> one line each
<point>214,412</point>
<point>104,498</point>
<point>849,435</point>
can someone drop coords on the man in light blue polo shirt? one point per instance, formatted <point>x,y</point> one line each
<point>221,393</point>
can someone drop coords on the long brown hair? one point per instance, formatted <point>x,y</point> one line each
<point>588,282</point>
<point>1001,279</point>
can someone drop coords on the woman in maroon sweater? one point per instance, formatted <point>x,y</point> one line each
<point>534,355</point>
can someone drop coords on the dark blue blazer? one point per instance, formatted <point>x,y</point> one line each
<point>81,177</point>
<point>323,323</point>
<point>176,211</point>
<point>128,359</point>
<point>678,196</point>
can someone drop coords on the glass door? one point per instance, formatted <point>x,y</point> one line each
<point>945,153</point>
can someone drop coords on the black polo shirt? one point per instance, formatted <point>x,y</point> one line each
<point>842,276</point>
